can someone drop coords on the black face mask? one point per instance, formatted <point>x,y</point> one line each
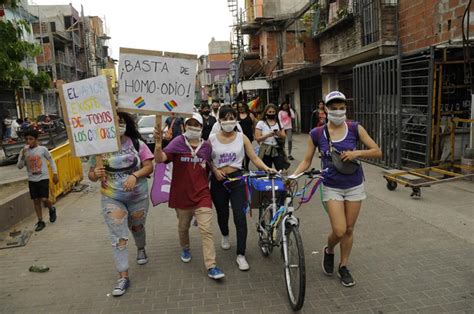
<point>206,113</point>
<point>271,116</point>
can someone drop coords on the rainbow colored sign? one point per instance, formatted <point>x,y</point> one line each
<point>170,105</point>
<point>139,102</point>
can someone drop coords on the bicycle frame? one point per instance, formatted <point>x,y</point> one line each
<point>278,224</point>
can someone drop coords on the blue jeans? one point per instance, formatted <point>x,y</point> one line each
<point>120,217</point>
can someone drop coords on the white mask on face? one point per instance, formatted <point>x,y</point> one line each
<point>228,126</point>
<point>193,132</point>
<point>122,129</point>
<point>337,116</point>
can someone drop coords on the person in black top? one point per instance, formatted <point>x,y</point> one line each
<point>174,126</point>
<point>208,121</point>
<point>247,122</point>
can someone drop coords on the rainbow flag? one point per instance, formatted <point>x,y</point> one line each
<point>139,102</point>
<point>170,105</point>
<point>253,104</point>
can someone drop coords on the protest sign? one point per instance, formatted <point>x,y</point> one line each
<point>155,82</point>
<point>110,74</point>
<point>90,116</point>
<point>160,190</point>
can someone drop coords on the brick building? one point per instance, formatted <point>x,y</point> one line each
<point>213,71</point>
<point>350,33</point>
<point>424,23</point>
<point>280,50</point>
<point>436,78</point>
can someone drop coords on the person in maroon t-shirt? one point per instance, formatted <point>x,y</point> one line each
<point>189,193</point>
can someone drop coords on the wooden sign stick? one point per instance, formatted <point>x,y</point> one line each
<point>158,126</point>
<point>99,163</point>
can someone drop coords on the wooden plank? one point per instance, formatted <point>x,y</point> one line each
<point>395,171</point>
<point>114,110</point>
<point>67,122</point>
<point>158,53</point>
<point>152,112</point>
<point>158,127</point>
<point>448,173</point>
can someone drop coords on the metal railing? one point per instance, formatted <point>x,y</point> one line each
<point>377,106</point>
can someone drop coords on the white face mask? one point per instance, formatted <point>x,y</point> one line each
<point>193,132</point>
<point>337,116</point>
<point>228,126</point>
<point>122,129</point>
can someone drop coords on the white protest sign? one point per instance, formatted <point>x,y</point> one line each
<point>156,82</point>
<point>90,117</point>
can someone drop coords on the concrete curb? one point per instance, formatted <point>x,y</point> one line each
<point>15,208</point>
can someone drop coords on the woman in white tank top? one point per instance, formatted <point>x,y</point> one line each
<point>228,152</point>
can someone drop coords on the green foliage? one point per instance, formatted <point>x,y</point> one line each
<point>11,3</point>
<point>40,82</point>
<point>13,50</point>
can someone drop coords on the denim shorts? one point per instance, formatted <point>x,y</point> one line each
<point>354,194</point>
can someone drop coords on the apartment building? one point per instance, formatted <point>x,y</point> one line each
<point>213,72</point>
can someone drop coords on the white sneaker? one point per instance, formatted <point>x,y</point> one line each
<point>242,262</point>
<point>225,245</point>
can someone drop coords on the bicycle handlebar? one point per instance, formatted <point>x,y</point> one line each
<point>262,174</point>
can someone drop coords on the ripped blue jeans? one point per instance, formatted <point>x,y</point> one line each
<point>120,217</point>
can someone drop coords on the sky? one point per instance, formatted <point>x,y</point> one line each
<point>184,26</point>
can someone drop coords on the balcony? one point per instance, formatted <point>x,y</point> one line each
<point>330,16</point>
<point>63,58</point>
<point>355,31</point>
<point>76,39</point>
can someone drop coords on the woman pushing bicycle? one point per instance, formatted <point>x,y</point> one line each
<point>343,185</point>
<point>228,151</point>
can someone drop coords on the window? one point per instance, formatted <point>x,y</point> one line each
<point>370,21</point>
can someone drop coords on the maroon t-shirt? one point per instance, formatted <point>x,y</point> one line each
<point>190,180</point>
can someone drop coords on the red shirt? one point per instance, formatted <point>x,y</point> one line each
<point>190,182</point>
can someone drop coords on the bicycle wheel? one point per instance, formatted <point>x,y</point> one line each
<point>264,230</point>
<point>295,272</point>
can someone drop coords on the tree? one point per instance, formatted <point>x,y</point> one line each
<point>13,50</point>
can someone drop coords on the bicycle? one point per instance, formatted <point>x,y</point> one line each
<point>277,226</point>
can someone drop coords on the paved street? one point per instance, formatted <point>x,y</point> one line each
<point>409,256</point>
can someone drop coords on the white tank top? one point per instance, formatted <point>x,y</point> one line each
<point>231,154</point>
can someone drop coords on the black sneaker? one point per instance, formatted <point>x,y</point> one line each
<point>40,225</point>
<point>328,262</point>
<point>346,278</point>
<point>142,258</point>
<point>52,214</point>
<point>291,157</point>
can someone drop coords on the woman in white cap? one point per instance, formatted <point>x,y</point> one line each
<point>343,186</point>
<point>189,193</point>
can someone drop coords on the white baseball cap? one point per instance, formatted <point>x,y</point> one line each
<point>196,116</point>
<point>335,95</point>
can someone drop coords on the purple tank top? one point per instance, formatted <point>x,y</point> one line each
<point>333,178</point>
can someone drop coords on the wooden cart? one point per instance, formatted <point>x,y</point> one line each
<point>425,177</point>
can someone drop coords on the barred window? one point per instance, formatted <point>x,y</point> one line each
<point>370,21</point>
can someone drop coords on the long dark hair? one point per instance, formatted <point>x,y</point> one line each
<point>225,110</point>
<point>282,107</point>
<point>269,106</point>
<point>132,129</point>
<point>246,109</point>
